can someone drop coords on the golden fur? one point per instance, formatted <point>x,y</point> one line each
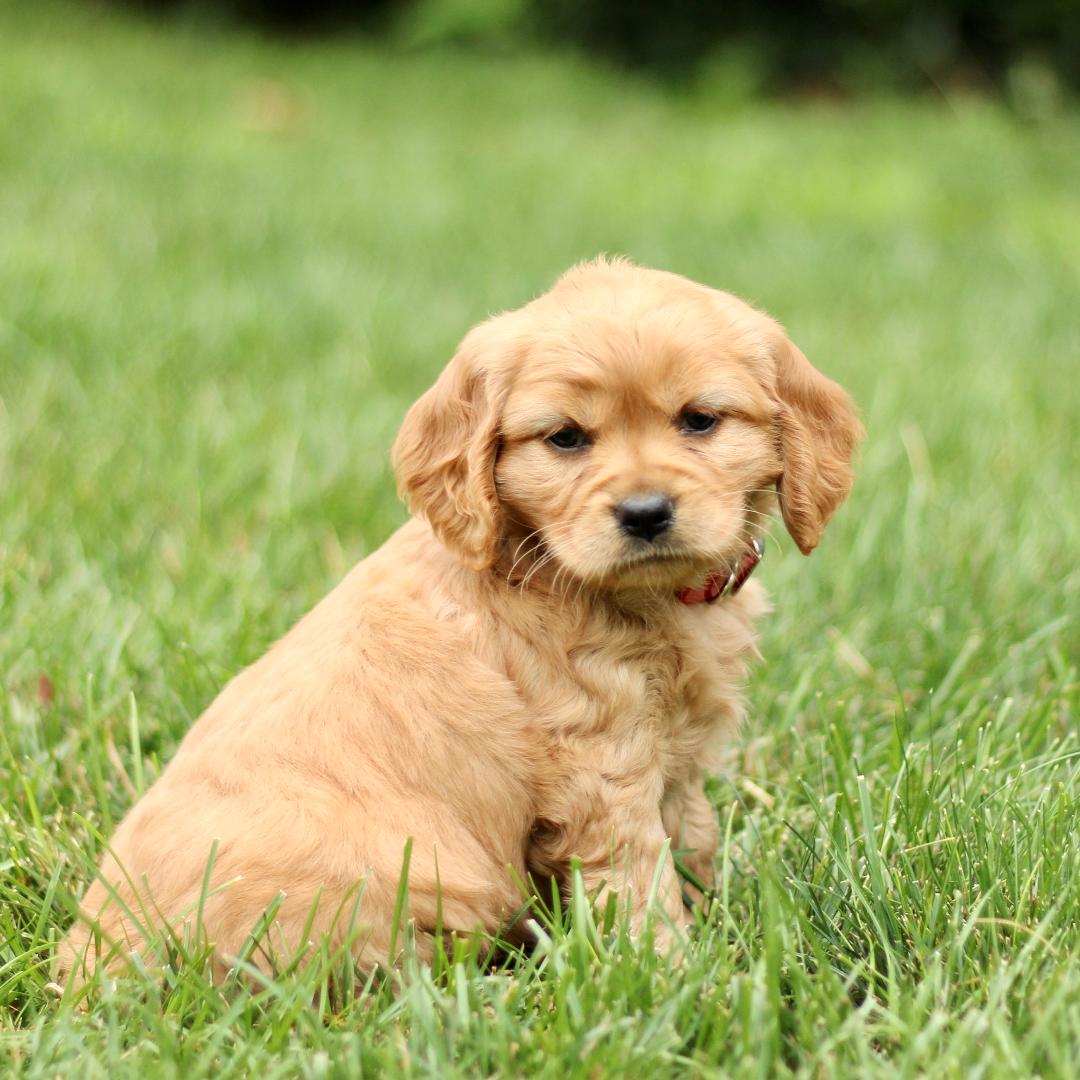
<point>510,681</point>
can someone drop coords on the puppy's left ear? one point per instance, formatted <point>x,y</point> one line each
<point>818,429</point>
<point>444,456</point>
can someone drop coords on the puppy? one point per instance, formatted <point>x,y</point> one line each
<point>538,666</point>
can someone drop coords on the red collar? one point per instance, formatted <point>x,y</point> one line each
<point>725,582</point>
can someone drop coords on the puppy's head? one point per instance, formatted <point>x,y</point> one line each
<point>633,425</point>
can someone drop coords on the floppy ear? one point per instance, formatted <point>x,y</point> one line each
<point>444,457</point>
<point>818,429</point>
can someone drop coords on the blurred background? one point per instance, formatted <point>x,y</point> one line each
<point>829,48</point>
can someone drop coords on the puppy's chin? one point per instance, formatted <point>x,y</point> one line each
<point>650,568</point>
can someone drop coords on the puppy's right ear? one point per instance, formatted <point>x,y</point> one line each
<point>444,455</point>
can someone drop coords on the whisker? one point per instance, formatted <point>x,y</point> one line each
<point>535,569</point>
<point>517,557</point>
<point>562,527</point>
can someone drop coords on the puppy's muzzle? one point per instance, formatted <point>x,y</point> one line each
<point>645,517</point>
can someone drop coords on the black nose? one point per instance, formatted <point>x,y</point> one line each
<point>645,516</point>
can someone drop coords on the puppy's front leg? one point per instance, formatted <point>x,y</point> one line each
<point>615,830</point>
<point>690,821</point>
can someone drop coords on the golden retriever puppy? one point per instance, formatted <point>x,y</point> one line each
<point>538,666</point>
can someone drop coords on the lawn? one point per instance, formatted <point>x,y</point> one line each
<point>227,265</point>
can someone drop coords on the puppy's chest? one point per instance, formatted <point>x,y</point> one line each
<point>638,690</point>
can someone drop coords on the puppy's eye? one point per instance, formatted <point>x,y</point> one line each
<point>569,438</point>
<point>695,422</point>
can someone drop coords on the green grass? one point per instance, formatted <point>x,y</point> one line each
<point>227,266</point>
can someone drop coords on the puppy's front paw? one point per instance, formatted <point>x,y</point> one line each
<point>669,941</point>
<point>698,879</point>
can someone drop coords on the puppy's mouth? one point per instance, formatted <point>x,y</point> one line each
<point>667,560</point>
<point>631,563</point>
<point>658,557</point>
<point>677,565</point>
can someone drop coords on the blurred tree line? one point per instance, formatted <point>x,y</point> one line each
<point>830,46</point>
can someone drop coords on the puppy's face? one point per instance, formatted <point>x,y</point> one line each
<point>630,424</point>
<point>640,449</point>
